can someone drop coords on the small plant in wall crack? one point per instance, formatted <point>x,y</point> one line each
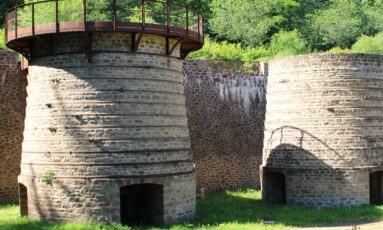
<point>49,177</point>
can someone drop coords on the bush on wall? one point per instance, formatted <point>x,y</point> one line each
<point>369,44</point>
<point>228,51</point>
<point>282,44</point>
<point>365,44</point>
<point>287,43</point>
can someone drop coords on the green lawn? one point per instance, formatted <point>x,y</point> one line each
<point>225,210</point>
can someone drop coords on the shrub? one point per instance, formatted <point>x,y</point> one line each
<point>337,49</point>
<point>48,177</point>
<point>367,44</point>
<point>256,54</point>
<point>287,43</point>
<point>216,50</point>
<point>232,52</point>
<point>2,39</point>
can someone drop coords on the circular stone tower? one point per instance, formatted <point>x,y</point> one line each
<point>324,141</point>
<point>106,136</point>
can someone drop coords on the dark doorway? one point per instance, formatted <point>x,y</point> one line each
<point>275,188</point>
<point>376,195</point>
<point>141,204</point>
<point>23,196</point>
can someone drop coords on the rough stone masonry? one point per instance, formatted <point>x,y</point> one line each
<point>97,134</point>
<point>12,114</point>
<point>323,143</point>
<point>226,112</point>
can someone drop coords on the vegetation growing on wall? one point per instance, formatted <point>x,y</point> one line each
<point>252,29</point>
<point>282,44</point>
<point>369,44</point>
<point>365,44</point>
<point>228,51</point>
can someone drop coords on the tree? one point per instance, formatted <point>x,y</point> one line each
<point>287,43</point>
<point>368,44</point>
<point>6,5</point>
<point>373,11</point>
<point>251,22</point>
<point>339,24</point>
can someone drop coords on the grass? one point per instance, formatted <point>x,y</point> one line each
<point>223,210</point>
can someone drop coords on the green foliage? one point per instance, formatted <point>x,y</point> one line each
<point>337,49</point>
<point>70,10</point>
<point>287,43</point>
<point>213,50</point>
<point>2,40</point>
<point>282,44</point>
<point>243,29</point>
<point>373,12</point>
<point>48,177</point>
<point>338,25</point>
<point>6,5</point>
<point>367,44</point>
<point>256,54</point>
<point>323,24</point>
<point>251,22</point>
<point>227,51</point>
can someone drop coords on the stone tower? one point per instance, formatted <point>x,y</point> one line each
<point>106,136</point>
<point>323,140</point>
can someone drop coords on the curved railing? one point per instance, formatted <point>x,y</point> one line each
<point>148,16</point>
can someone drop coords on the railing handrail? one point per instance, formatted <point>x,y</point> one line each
<point>158,1</point>
<point>171,20</point>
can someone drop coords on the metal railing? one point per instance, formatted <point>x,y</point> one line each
<point>151,16</point>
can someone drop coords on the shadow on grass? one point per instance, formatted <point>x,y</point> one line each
<point>24,226</point>
<point>247,207</point>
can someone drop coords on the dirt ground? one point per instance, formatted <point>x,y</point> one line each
<point>370,226</point>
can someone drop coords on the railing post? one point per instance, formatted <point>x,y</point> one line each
<point>168,17</point>
<point>57,15</point>
<point>84,14</point>
<point>199,27</point>
<point>114,15</point>
<point>6,28</point>
<point>16,22</point>
<point>187,21</point>
<point>202,28</point>
<point>33,18</point>
<point>143,14</point>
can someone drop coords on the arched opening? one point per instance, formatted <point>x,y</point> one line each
<point>23,200</point>
<point>141,204</point>
<point>376,190</point>
<point>274,187</point>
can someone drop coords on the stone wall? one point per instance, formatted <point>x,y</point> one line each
<point>324,128</point>
<point>226,121</point>
<point>12,113</point>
